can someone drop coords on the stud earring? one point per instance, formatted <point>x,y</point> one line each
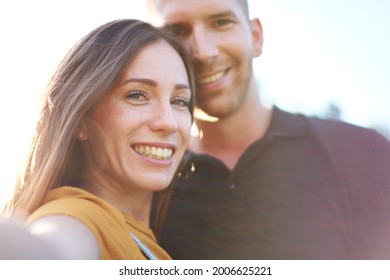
<point>81,135</point>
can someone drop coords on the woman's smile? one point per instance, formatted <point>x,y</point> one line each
<point>154,151</point>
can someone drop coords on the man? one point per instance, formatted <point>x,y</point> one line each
<point>262,183</point>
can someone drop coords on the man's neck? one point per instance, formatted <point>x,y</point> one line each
<point>228,138</point>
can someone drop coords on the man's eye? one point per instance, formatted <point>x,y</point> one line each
<point>179,31</point>
<point>221,22</point>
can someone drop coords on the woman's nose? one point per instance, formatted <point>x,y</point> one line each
<point>163,119</point>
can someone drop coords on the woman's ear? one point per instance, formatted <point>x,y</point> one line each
<point>81,132</point>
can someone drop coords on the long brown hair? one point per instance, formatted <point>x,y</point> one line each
<point>90,70</point>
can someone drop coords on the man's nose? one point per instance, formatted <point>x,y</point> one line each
<point>203,45</point>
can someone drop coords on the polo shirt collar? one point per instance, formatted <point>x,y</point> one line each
<point>284,124</point>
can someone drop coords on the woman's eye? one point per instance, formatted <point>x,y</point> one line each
<point>181,101</point>
<point>137,95</point>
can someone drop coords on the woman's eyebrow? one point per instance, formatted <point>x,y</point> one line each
<point>140,80</point>
<point>152,83</point>
<point>182,86</point>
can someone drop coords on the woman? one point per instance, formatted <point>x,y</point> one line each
<point>114,125</point>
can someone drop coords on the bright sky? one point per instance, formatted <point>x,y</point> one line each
<point>315,52</point>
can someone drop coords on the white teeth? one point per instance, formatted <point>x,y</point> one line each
<point>154,152</point>
<point>212,78</point>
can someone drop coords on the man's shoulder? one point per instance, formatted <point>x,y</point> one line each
<point>331,127</point>
<point>343,131</point>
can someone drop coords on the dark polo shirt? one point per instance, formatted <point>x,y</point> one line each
<point>309,189</point>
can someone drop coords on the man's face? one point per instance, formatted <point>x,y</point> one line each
<point>222,43</point>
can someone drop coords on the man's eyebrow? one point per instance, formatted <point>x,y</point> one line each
<point>227,13</point>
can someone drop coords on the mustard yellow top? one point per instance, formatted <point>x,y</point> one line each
<point>110,226</point>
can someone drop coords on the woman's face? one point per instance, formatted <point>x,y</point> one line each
<point>137,134</point>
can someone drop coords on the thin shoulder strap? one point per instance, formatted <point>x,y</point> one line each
<point>143,247</point>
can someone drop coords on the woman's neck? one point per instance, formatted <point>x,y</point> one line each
<point>137,203</point>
